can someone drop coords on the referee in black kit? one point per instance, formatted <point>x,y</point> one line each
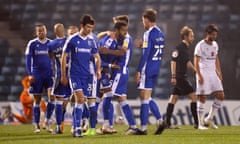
<point>179,64</point>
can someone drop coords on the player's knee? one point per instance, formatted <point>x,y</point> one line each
<point>220,95</point>
<point>37,100</point>
<point>52,98</point>
<point>202,99</point>
<point>122,98</point>
<point>173,99</point>
<point>193,97</point>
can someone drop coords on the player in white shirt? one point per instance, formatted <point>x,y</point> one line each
<point>209,76</point>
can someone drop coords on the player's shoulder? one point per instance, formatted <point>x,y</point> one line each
<point>201,43</point>
<point>182,46</point>
<point>73,36</point>
<point>106,38</point>
<point>48,39</point>
<point>128,37</point>
<point>91,37</point>
<point>33,41</point>
<point>156,29</point>
<point>175,53</point>
<point>215,43</point>
<point>53,42</point>
<point>156,32</point>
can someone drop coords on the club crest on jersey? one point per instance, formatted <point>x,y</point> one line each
<point>212,54</point>
<point>175,54</point>
<point>145,44</point>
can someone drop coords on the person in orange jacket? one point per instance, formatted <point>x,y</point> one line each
<point>27,103</point>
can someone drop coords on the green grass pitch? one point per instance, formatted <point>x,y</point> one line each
<point>23,134</point>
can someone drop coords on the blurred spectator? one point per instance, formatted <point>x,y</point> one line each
<point>27,104</point>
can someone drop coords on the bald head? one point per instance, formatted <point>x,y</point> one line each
<point>59,30</point>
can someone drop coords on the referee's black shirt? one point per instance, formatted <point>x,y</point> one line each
<point>181,56</point>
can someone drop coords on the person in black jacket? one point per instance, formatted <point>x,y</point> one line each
<point>181,86</point>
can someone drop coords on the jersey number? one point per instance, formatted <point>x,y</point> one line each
<point>158,54</point>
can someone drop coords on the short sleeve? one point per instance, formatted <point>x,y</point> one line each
<point>197,51</point>
<point>175,55</point>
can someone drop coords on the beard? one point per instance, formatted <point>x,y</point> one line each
<point>41,37</point>
<point>211,39</point>
<point>146,27</point>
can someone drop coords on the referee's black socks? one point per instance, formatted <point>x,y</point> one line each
<point>193,106</point>
<point>170,108</point>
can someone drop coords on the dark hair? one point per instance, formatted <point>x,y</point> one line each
<point>211,28</point>
<point>150,14</point>
<point>87,19</point>
<point>118,25</point>
<point>40,25</point>
<point>122,18</point>
<point>185,31</point>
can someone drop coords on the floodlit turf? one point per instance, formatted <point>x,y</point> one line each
<point>23,134</point>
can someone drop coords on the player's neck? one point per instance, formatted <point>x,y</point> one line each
<point>186,42</point>
<point>60,36</point>
<point>208,41</point>
<point>152,25</point>
<point>42,39</point>
<point>82,34</point>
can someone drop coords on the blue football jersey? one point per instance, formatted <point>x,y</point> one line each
<point>92,62</point>
<point>124,60</point>
<point>37,59</point>
<point>109,43</point>
<point>152,51</point>
<point>56,47</point>
<point>80,50</point>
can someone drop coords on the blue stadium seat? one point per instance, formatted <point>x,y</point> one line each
<point>21,70</point>
<point>4,90</point>
<point>15,89</point>
<point>8,70</point>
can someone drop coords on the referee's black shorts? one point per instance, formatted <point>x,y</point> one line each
<point>183,87</point>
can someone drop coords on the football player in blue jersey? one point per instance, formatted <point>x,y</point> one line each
<point>60,91</point>
<point>122,55</point>
<point>38,66</point>
<point>149,66</point>
<point>108,108</point>
<point>89,116</point>
<point>108,42</point>
<point>70,31</point>
<point>80,47</point>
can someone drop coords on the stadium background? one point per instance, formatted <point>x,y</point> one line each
<point>18,17</point>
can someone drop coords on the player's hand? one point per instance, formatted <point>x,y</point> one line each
<point>138,43</point>
<point>64,80</point>
<point>173,81</point>
<point>219,75</point>
<point>137,77</point>
<point>99,75</point>
<point>200,79</point>
<point>114,66</point>
<point>112,34</point>
<point>31,79</point>
<point>103,50</point>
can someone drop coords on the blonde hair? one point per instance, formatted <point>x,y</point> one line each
<point>185,31</point>
<point>59,29</point>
